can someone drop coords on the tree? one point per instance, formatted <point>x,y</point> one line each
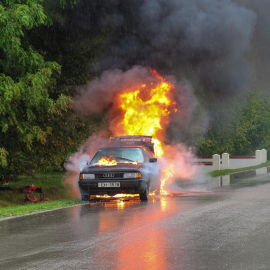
<point>249,131</point>
<point>25,83</point>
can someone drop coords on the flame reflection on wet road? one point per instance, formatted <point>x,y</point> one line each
<point>186,231</point>
<point>146,250</point>
<point>136,243</point>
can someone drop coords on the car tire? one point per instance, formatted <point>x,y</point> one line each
<point>158,191</point>
<point>84,195</point>
<point>145,195</point>
<point>84,198</point>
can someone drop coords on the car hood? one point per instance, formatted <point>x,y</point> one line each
<point>118,167</point>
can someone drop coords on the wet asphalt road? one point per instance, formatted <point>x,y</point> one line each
<point>224,227</point>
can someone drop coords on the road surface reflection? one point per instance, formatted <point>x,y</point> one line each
<point>145,252</point>
<point>182,231</point>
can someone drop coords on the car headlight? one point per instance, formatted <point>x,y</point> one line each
<point>132,175</point>
<point>87,176</point>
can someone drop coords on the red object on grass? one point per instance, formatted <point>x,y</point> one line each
<point>31,198</point>
<point>29,189</point>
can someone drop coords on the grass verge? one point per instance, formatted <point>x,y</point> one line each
<point>224,172</point>
<point>28,208</point>
<point>12,200</point>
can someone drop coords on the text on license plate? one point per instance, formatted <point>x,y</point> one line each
<point>109,184</point>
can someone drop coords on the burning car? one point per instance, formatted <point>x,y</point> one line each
<point>127,166</point>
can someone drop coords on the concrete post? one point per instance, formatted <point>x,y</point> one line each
<point>258,155</point>
<point>264,155</point>
<point>216,162</point>
<point>225,161</point>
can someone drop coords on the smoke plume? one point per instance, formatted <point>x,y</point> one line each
<point>203,41</point>
<point>259,57</point>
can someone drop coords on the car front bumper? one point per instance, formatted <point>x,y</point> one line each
<point>127,186</point>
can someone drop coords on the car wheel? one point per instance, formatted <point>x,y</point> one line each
<point>84,195</point>
<point>158,191</point>
<point>145,195</point>
<point>84,198</point>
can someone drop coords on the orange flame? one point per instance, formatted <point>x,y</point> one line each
<point>133,162</point>
<point>146,111</point>
<point>107,161</point>
<point>121,195</point>
<point>166,173</point>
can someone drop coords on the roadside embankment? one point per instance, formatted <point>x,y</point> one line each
<point>229,171</point>
<point>12,199</point>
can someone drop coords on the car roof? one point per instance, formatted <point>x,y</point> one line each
<point>148,151</point>
<point>115,147</point>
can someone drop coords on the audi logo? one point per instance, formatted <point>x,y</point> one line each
<point>108,175</point>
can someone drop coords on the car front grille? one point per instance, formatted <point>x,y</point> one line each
<point>109,175</point>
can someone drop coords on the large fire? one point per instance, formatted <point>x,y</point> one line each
<point>146,111</point>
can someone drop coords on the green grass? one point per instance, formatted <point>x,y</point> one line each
<point>12,202</point>
<point>224,172</point>
<point>51,183</point>
<point>28,208</point>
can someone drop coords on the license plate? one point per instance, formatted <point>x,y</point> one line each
<point>109,184</point>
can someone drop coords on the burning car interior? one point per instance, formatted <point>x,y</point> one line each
<point>120,155</point>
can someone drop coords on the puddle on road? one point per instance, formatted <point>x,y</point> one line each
<point>240,179</point>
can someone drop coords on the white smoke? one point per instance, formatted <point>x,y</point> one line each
<point>79,160</point>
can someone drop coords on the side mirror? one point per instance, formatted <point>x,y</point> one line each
<point>152,160</point>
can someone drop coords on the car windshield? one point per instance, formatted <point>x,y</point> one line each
<point>121,155</point>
